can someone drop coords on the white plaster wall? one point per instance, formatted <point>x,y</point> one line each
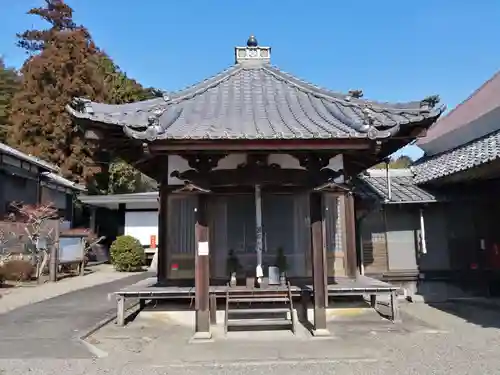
<point>142,225</point>
<point>177,163</point>
<point>336,164</point>
<point>231,161</point>
<point>284,161</point>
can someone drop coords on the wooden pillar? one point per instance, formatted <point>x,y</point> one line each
<point>202,273</point>
<point>318,265</point>
<point>54,254</point>
<point>162,249</point>
<point>93,218</point>
<point>350,233</point>
<point>122,208</point>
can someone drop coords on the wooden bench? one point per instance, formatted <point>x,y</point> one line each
<point>364,285</point>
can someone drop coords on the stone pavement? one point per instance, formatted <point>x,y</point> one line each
<point>48,329</point>
<point>450,338</point>
<point>14,298</point>
<point>166,341</point>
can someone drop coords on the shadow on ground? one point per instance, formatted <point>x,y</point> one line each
<point>481,311</point>
<point>48,329</point>
<point>162,338</point>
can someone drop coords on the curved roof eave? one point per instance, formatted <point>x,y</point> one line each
<point>299,111</point>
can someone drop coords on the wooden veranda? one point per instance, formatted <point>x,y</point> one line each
<point>301,290</point>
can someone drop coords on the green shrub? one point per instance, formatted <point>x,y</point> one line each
<point>127,254</point>
<point>17,270</point>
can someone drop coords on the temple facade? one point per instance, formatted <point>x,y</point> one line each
<point>254,162</point>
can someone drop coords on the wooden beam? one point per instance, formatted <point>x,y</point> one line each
<point>261,145</point>
<point>318,265</point>
<point>350,233</point>
<point>163,251</point>
<point>249,176</point>
<point>202,270</point>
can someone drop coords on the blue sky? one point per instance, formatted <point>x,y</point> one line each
<point>394,50</point>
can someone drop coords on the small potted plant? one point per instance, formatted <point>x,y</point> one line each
<point>282,265</point>
<point>233,266</point>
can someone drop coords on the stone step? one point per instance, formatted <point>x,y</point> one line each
<point>258,322</point>
<point>244,299</point>
<point>260,311</point>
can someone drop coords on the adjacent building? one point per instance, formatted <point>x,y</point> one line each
<point>135,215</point>
<point>462,157</point>
<point>30,180</point>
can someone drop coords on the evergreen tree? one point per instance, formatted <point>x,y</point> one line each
<point>62,65</point>
<point>9,84</point>
<point>65,63</point>
<point>119,177</point>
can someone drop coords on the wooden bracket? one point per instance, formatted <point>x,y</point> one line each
<point>331,185</point>
<point>189,187</point>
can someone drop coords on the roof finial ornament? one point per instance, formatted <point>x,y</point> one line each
<point>356,94</point>
<point>430,102</point>
<point>252,41</point>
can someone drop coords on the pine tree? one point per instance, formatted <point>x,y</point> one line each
<point>9,84</point>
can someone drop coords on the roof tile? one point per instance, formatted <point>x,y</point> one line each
<point>403,187</point>
<point>475,153</point>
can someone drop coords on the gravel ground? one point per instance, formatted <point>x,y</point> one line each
<point>14,298</point>
<point>452,338</point>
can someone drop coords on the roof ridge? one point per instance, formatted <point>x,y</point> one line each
<point>326,93</point>
<point>204,85</point>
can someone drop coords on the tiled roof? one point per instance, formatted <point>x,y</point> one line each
<point>374,183</point>
<point>472,154</point>
<point>256,102</point>
<point>4,149</point>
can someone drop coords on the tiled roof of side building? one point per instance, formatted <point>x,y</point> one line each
<point>469,155</point>
<point>374,183</point>
<point>255,100</point>
<point>50,171</point>
<point>29,158</point>
<point>64,182</point>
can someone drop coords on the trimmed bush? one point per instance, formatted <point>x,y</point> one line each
<point>17,270</point>
<point>127,254</point>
